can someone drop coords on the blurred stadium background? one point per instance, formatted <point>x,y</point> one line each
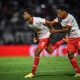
<point>14,31</point>
<point>16,39</point>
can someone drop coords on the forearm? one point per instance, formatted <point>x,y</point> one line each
<point>50,23</point>
<point>62,30</point>
<point>58,30</point>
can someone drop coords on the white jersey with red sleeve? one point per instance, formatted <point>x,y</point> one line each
<point>40,28</point>
<point>71,21</point>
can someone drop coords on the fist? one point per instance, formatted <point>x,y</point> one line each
<point>65,39</point>
<point>35,40</point>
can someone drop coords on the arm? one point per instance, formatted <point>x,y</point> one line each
<point>65,29</point>
<point>50,23</point>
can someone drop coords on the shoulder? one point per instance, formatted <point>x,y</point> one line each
<point>70,16</point>
<point>35,19</point>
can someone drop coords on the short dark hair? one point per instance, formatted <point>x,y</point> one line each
<point>29,10</point>
<point>62,7</point>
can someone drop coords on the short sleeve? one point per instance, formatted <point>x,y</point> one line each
<point>42,20</point>
<point>37,21</point>
<point>69,22</point>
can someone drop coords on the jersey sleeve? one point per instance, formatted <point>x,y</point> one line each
<point>40,21</point>
<point>67,22</point>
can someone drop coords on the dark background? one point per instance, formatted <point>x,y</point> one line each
<point>13,29</point>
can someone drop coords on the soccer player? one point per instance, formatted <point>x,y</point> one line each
<point>70,26</point>
<point>38,25</point>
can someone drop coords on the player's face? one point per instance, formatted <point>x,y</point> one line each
<point>26,16</point>
<point>60,13</point>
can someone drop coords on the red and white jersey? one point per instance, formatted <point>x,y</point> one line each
<point>70,20</point>
<point>40,28</point>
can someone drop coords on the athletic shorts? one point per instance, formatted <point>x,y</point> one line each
<point>73,44</point>
<point>43,43</point>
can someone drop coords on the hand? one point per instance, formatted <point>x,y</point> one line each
<point>65,39</point>
<point>35,40</point>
